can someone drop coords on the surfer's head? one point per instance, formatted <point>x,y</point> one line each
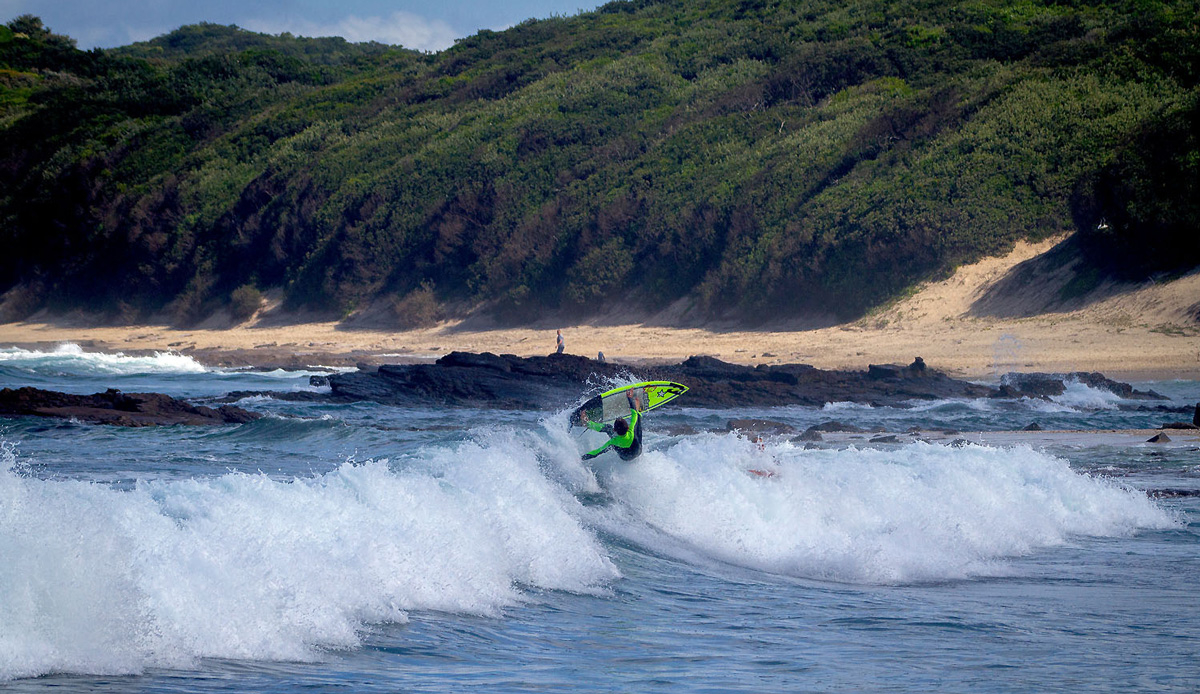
<point>621,427</point>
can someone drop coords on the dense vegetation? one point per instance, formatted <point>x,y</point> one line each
<point>757,158</point>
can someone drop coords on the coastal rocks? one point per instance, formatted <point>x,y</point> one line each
<point>1044,385</point>
<point>117,408</point>
<point>511,382</point>
<point>477,380</point>
<point>917,369</point>
<point>506,381</point>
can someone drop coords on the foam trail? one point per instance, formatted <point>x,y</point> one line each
<point>96,580</point>
<point>923,512</point>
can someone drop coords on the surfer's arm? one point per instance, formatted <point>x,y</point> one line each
<point>592,454</point>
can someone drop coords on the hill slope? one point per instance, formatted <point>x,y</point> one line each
<point>759,158</point>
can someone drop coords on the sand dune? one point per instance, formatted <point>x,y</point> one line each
<point>964,325</point>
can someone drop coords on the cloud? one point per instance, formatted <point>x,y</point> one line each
<point>399,29</point>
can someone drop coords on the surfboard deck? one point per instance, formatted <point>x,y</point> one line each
<point>607,407</point>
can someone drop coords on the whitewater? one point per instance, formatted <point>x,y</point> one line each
<point>362,547</point>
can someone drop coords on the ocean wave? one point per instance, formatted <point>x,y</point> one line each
<point>100,580</point>
<point>919,513</point>
<point>72,359</point>
<point>846,406</point>
<point>1080,396</point>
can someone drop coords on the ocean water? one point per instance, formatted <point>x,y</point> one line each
<point>366,548</point>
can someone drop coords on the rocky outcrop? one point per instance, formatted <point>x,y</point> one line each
<point>512,382</point>
<point>117,408</point>
<point>1043,385</point>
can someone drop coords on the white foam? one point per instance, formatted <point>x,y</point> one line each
<point>71,358</point>
<point>98,580</point>
<point>1080,396</point>
<point>845,406</point>
<point>919,513</point>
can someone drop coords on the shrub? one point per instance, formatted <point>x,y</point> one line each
<point>244,302</point>
<point>417,309</point>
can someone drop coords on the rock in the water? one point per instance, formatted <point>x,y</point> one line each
<point>1159,438</point>
<point>760,426</point>
<point>117,408</point>
<point>1044,385</point>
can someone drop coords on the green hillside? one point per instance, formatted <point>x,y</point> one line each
<point>756,158</point>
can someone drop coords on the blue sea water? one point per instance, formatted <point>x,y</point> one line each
<point>366,548</point>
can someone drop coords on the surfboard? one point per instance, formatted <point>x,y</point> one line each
<point>609,406</point>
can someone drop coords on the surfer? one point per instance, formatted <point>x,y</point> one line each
<point>625,434</point>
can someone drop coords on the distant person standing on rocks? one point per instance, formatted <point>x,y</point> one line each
<point>559,341</point>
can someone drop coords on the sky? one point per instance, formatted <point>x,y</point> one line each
<point>430,25</point>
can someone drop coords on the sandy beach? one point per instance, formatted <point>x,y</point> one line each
<point>1144,332</point>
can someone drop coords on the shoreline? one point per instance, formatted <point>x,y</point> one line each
<point>1144,332</point>
<point>982,352</point>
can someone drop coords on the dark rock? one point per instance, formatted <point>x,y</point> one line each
<point>1044,385</point>
<point>1196,416</point>
<point>236,415</point>
<point>836,426</point>
<point>318,381</point>
<point>1159,438</point>
<point>1179,425</point>
<point>1172,493</point>
<point>117,408</point>
<point>916,369</point>
<point>888,438</point>
<point>1033,426</point>
<point>559,380</point>
<point>486,360</point>
<point>878,371</point>
<point>1166,409</point>
<point>959,443</point>
<point>760,426</point>
<point>809,435</point>
<point>713,368</point>
<point>287,395</point>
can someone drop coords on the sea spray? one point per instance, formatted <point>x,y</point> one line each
<point>72,359</point>
<point>922,512</point>
<point>1080,396</point>
<point>101,580</point>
